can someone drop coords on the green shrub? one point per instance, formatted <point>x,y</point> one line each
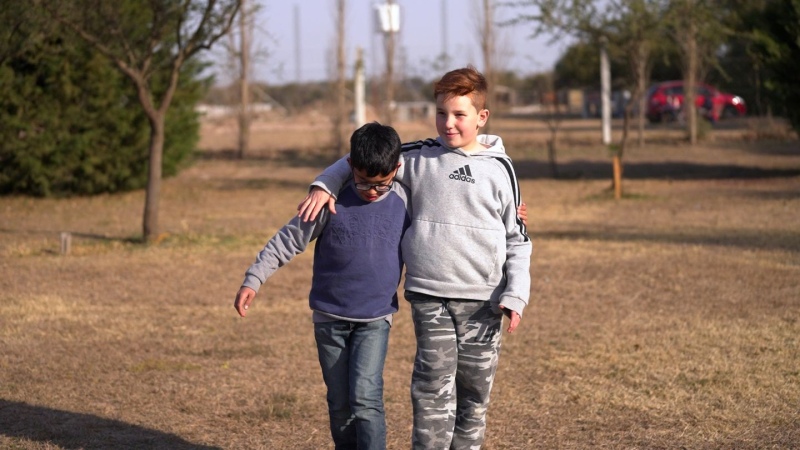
<point>72,123</point>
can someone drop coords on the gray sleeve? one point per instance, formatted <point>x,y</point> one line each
<point>333,178</point>
<point>289,241</point>
<point>518,255</point>
<point>518,264</point>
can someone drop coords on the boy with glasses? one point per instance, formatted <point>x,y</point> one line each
<point>357,267</point>
<point>467,258</point>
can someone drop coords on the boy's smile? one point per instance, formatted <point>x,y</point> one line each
<point>458,121</point>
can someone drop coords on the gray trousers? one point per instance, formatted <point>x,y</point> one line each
<point>458,344</point>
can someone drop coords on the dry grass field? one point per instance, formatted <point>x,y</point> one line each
<point>667,320</point>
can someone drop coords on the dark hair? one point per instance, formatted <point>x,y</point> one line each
<point>463,82</point>
<point>375,149</point>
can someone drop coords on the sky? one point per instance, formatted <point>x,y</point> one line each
<point>424,35</point>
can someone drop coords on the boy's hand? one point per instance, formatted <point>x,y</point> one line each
<point>244,297</point>
<point>310,207</point>
<point>513,318</point>
<point>522,213</point>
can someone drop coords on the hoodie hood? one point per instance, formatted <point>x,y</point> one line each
<point>493,144</point>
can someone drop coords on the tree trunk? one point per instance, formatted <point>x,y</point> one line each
<point>153,191</point>
<point>691,79</point>
<point>551,156</point>
<point>244,82</point>
<point>617,161</point>
<point>487,48</point>
<point>642,77</point>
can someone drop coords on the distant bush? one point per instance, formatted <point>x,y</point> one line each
<point>72,124</point>
<point>783,48</point>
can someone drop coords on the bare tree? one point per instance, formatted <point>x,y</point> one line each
<point>245,27</point>
<point>578,18</point>
<point>699,30</point>
<point>487,38</point>
<point>630,27</point>
<point>131,34</point>
<point>685,33</point>
<point>552,118</point>
<point>634,28</point>
<point>496,50</point>
<point>638,28</point>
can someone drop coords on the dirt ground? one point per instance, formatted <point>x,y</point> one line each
<point>665,320</point>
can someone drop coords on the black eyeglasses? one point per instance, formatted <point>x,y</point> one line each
<point>378,187</point>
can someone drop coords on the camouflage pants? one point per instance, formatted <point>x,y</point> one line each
<point>458,344</point>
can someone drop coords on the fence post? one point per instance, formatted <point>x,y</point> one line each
<point>66,242</point>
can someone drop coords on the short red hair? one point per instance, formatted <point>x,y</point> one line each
<point>463,82</point>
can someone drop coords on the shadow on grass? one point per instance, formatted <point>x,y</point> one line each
<point>72,430</point>
<point>533,169</point>
<point>263,184</point>
<point>749,240</point>
<point>602,170</point>
<point>131,240</point>
<point>289,157</point>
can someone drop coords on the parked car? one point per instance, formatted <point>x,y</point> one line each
<point>665,102</point>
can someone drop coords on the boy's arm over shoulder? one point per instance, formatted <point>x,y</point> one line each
<point>408,152</point>
<point>404,193</point>
<point>333,178</point>
<point>322,191</point>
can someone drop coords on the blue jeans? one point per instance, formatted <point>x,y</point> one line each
<point>352,355</point>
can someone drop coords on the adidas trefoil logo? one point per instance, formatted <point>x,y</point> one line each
<point>463,174</point>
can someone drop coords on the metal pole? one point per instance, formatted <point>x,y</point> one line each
<point>605,88</point>
<point>360,88</point>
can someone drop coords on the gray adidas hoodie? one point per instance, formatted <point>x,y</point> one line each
<point>465,240</point>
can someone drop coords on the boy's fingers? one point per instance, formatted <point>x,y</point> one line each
<point>522,213</point>
<point>242,302</point>
<point>513,319</point>
<point>332,205</point>
<point>312,211</point>
<point>239,308</point>
<point>513,322</point>
<point>303,207</point>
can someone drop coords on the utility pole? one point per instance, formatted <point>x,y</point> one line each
<point>359,88</point>
<point>339,119</point>
<point>389,20</point>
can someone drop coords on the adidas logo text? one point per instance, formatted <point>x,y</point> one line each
<point>463,174</point>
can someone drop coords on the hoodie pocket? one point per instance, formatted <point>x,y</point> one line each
<point>453,254</point>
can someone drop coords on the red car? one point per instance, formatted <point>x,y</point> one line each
<point>665,100</point>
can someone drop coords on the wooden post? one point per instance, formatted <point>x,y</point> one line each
<point>66,242</point>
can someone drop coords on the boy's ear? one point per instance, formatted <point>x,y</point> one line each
<point>483,116</point>
<point>349,163</point>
